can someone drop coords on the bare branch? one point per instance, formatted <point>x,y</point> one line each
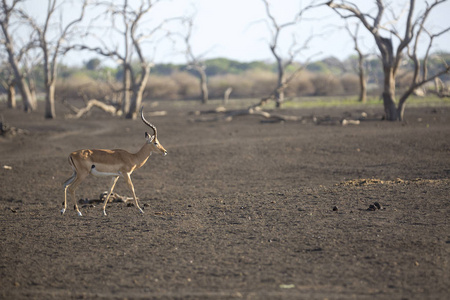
<point>355,12</point>
<point>14,59</point>
<point>294,50</point>
<point>195,62</point>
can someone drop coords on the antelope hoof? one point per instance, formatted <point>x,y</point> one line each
<point>140,209</point>
<point>79,214</point>
<point>104,212</point>
<point>63,211</point>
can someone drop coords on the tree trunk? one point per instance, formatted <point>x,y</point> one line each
<point>279,96</point>
<point>401,110</point>
<point>49,85</point>
<point>203,82</point>
<point>50,102</point>
<point>28,103</point>
<point>387,58</point>
<point>204,87</point>
<point>390,110</point>
<point>11,95</point>
<point>138,91</point>
<point>226,95</point>
<point>32,87</point>
<point>132,113</point>
<point>362,80</point>
<point>279,92</point>
<point>363,91</point>
<point>389,95</point>
<point>126,90</point>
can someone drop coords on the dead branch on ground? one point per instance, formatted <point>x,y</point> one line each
<point>9,131</point>
<point>222,114</point>
<point>111,109</point>
<point>440,89</point>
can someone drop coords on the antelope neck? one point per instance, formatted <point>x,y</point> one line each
<point>143,154</point>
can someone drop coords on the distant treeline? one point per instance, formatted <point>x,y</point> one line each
<point>326,77</point>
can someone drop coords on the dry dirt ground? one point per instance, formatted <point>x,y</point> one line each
<point>239,209</point>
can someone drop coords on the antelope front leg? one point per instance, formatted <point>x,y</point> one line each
<point>114,181</point>
<point>66,186</point>
<point>130,185</point>
<point>65,201</point>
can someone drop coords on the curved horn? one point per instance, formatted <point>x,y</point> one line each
<point>147,122</point>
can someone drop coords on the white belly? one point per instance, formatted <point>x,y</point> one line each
<point>97,173</point>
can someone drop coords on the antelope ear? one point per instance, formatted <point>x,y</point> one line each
<point>149,138</point>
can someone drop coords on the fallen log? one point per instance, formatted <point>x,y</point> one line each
<point>111,109</point>
<point>9,131</point>
<point>228,115</point>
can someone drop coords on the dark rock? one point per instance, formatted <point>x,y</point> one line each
<point>372,207</point>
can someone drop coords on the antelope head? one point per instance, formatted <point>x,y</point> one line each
<point>152,140</point>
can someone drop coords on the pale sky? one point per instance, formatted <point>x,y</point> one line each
<point>234,29</point>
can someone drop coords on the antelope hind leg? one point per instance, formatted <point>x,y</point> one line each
<point>114,181</point>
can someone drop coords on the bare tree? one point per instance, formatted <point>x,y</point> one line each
<point>52,48</point>
<point>30,62</point>
<point>391,56</point>
<point>195,62</point>
<point>284,61</point>
<point>361,70</point>
<point>420,78</point>
<point>15,53</point>
<point>134,34</point>
<point>138,84</point>
<point>126,61</point>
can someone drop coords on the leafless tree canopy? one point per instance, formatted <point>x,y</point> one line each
<point>284,61</point>
<point>52,47</point>
<point>133,34</point>
<point>391,56</point>
<point>361,68</point>
<point>15,52</point>
<point>195,62</point>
